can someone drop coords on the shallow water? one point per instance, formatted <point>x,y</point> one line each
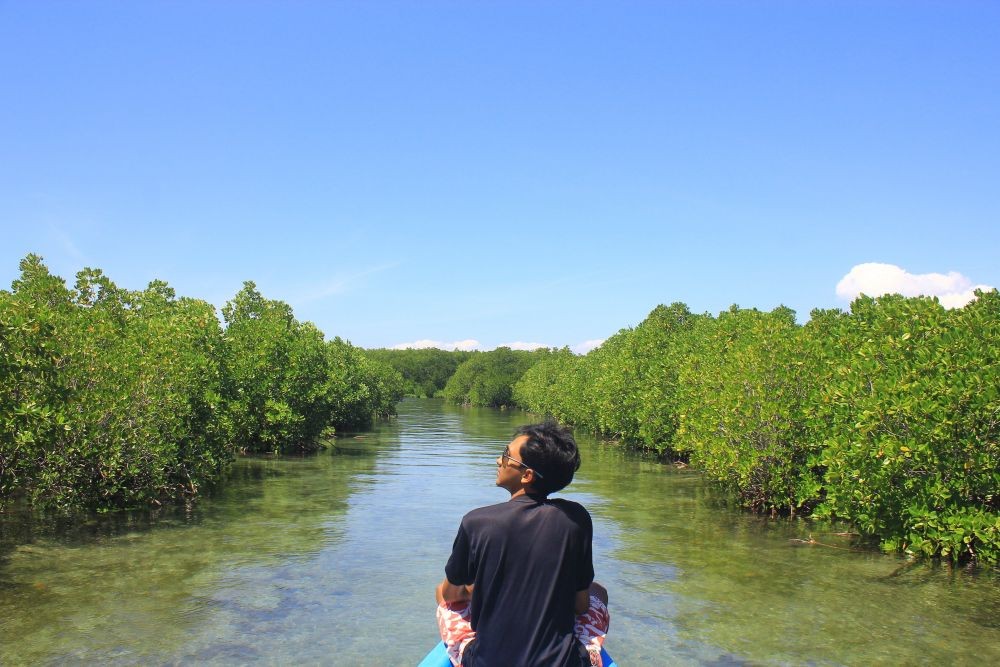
<point>333,558</point>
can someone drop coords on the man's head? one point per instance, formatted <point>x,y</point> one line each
<point>550,450</point>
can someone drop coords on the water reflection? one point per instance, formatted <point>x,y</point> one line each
<point>720,585</point>
<point>123,588</point>
<point>333,558</point>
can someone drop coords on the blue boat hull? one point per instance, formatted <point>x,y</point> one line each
<point>438,657</point>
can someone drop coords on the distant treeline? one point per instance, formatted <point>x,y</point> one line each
<point>425,371</point>
<point>114,398</point>
<point>887,416</point>
<point>488,378</point>
<point>469,378</point>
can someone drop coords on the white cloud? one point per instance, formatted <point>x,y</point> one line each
<point>587,345</point>
<point>959,299</point>
<point>518,345</point>
<point>953,289</point>
<point>467,344</point>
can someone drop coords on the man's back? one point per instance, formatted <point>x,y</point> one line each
<point>527,559</point>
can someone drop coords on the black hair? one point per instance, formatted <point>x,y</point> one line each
<point>551,451</point>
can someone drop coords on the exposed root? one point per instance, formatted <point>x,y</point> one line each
<point>814,542</point>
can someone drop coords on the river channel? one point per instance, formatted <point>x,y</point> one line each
<point>332,560</point>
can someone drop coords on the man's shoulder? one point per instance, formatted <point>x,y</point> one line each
<point>486,512</point>
<point>570,507</point>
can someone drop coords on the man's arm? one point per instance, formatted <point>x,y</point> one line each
<point>582,602</point>
<point>449,592</point>
<point>586,563</point>
<point>458,569</point>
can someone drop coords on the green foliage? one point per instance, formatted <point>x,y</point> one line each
<point>487,378</point>
<point>636,387</point>
<point>361,388</point>
<point>426,371</point>
<point>911,424</point>
<point>29,360</point>
<point>284,386</point>
<point>745,386</point>
<point>112,398</point>
<point>550,388</point>
<point>109,397</point>
<point>887,416</point>
<point>625,389</point>
<point>275,376</point>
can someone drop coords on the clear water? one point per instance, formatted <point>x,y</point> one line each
<point>332,559</point>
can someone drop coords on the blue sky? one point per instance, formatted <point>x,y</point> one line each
<point>504,172</point>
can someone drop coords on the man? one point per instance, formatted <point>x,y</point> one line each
<point>521,571</point>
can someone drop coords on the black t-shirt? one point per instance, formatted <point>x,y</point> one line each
<point>527,558</point>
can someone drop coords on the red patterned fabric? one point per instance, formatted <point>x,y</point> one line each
<point>591,627</point>
<point>455,627</point>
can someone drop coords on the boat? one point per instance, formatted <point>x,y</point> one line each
<point>438,657</point>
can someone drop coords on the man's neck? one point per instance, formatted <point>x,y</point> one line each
<point>525,491</point>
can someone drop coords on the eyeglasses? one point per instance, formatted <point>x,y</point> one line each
<point>507,457</point>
